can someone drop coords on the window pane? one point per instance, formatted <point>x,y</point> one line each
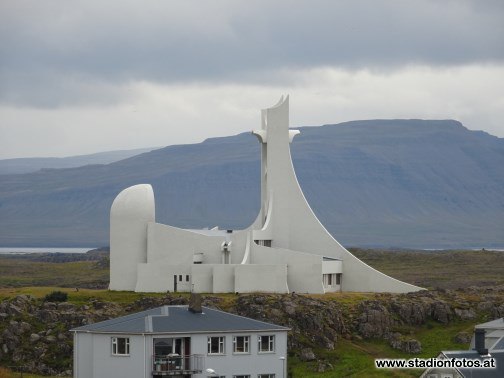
<point>241,344</point>
<point>216,345</point>
<point>266,343</point>
<point>120,345</point>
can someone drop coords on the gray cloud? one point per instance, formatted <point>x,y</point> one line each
<point>51,51</point>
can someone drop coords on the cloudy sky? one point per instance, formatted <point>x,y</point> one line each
<point>78,77</point>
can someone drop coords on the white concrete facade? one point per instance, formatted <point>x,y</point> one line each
<point>285,250</point>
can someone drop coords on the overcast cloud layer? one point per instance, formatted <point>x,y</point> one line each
<point>85,76</point>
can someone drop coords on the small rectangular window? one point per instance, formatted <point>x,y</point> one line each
<point>266,376</point>
<point>338,279</point>
<point>241,344</point>
<point>216,345</point>
<point>180,277</point>
<point>266,344</point>
<point>241,376</point>
<point>120,346</point>
<point>187,277</point>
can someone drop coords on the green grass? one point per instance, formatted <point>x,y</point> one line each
<point>432,269</point>
<point>352,359</point>
<point>80,297</point>
<point>355,358</point>
<point>19,273</point>
<point>436,337</point>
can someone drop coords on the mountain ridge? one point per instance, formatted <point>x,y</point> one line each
<point>403,183</point>
<point>34,164</point>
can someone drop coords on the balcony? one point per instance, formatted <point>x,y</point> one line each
<point>173,365</point>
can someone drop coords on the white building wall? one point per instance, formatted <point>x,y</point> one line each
<point>264,278</point>
<point>131,210</point>
<point>292,221</point>
<point>179,246</point>
<point>304,270</point>
<point>145,251</point>
<point>83,355</point>
<point>95,359</point>
<point>94,355</point>
<point>159,277</point>
<point>223,278</point>
<point>202,278</point>
<point>252,363</point>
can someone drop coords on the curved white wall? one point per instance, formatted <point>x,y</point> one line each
<point>293,223</point>
<point>131,210</point>
<point>144,254</point>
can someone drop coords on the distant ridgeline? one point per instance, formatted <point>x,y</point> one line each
<point>402,183</point>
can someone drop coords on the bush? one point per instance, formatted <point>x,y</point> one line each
<point>56,296</point>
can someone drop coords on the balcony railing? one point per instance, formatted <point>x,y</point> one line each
<point>177,365</point>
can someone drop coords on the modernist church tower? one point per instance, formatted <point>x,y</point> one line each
<point>286,249</point>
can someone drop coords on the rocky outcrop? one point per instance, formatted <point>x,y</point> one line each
<point>314,321</point>
<point>34,333</point>
<point>405,344</point>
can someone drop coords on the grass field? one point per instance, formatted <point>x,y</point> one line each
<point>19,273</point>
<point>355,357</point>
<point>438,269</point>
<point>429,269</point>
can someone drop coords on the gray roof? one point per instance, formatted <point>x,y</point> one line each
<point>178,319</point>
<point>497,323</point>
<point>498,372</point>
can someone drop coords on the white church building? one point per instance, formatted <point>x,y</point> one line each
<point>286,249</point>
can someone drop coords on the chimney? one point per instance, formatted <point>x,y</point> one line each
<point>479,341</point>
<point>195,303</point>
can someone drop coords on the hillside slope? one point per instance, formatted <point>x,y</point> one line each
<point>408,183</point>
<point>33,164</point>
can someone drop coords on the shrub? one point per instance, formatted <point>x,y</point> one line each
<point>56,296</point>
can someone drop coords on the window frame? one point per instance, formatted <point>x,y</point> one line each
<point>115,346</point>
<point>266,375</point>
<point>246,344</point>
<point>271,344</point>
<point>221,345</point>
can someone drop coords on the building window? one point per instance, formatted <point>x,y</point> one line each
<point>216,345</point>
<point>331,280</point>
<point>187,277</point>
<point>266,376</point>
<point>120,346</point>
<point>241,376</point>
<point>241,344</point>
<point>266,344</point>
<point>180,277</point>
<point>264,243</point>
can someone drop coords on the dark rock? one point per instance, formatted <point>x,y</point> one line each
<point>14,310</point>
<point>462,338</point>
<point>465,314</point>
<point>323,366</point>
<point>307,354</point>
<point>407,345</point>
<point>375,320</point>
<point>441,312</point>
